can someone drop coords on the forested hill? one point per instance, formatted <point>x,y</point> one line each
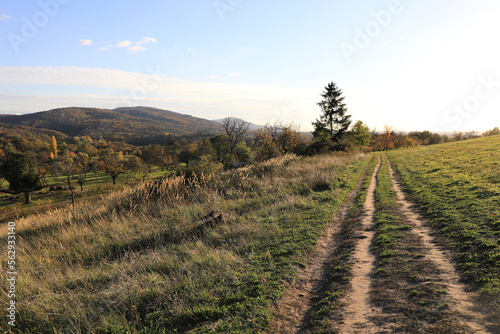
<point>122,124</point>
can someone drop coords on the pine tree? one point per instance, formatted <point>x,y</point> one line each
<point>333,120</point>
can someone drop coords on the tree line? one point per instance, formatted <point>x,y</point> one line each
<point>27,164</point>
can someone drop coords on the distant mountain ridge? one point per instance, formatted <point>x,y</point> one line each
<point>251,127</point>
<point>128,124</point>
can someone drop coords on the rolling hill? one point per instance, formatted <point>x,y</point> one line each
<point>130,125</point>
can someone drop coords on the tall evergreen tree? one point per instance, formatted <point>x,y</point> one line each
<point>333,121</point>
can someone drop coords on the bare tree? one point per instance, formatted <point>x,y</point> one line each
<point>235,129</point>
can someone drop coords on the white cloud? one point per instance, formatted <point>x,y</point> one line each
<point>4,17</point>
<point>146,40</point>
<point>212,76</point>
<point>236,74</point>
<point>86,42</point>
<point>137,48</point>
<point>123,44</point>
<point>132,46</point>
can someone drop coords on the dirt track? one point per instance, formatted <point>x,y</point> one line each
<point>299,298</point>
<point>461,300</point>
<point>359,313</point>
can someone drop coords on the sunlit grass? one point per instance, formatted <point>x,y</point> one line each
<point>134,260</point>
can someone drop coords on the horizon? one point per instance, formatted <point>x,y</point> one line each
<point>413,66</point>
<point>442,133</point>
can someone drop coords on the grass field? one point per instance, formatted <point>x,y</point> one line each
<point>457,188</point>
<point>12,206</point>
<point>137,261</point>
<point>142,260</point>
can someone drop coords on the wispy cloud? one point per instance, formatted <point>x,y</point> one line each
<point>213,76</point>
<point>123,44</point>
<point>237,74</point>
<point>137,48</point>
<point>4,17</point>
<point>146,40</point>
<point>86,42</point>
<point>130,45</point>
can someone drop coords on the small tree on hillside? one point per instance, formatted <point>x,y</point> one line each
<point>333,119</point>
<point>20,171</point>
<point>113,166</point>
<point>235,129</point>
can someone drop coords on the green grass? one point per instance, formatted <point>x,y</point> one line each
<point>457,188</point>
<point>135,262</point>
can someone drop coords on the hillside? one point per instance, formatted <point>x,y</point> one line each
<point>143,260</point>
<point>123,124</point>
<point>16,132</point>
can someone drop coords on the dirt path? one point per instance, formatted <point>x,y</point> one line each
<point>358,311</point>
<point>300,295</point>
<point>461,300</point>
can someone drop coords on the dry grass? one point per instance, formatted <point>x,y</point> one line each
<point>133,261</point>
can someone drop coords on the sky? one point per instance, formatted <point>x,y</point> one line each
<point>413,65</point>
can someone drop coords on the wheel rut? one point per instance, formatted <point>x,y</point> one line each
<point>358,311</point>
<point>293,311</point>
<point>461,299</point>
<point>358,314</point>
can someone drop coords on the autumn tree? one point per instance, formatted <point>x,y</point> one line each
<point>386,140</point>
<point>66,169</point>
<point>53,147</point>
<point>235,129</point>
<point>333,120</point>
<point>112,166</point>
<point>152,155</point>
<point>85,166</point>
<point>277,139</point>
<point>494,132</point>
<point>19,169</point>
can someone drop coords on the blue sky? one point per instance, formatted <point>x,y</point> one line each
<point>414,65</point>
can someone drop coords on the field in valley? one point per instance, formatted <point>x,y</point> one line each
<point>406,241</point>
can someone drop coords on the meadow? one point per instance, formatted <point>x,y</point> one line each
<point>12,206</point>
<point>215,253</point>
<point>142,259</point>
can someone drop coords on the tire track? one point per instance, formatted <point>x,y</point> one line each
<point>291,317</point>
<point>461,300</point>
<point>358,311</point>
